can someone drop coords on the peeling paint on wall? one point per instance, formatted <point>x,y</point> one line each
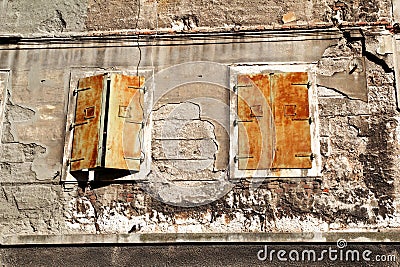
<point>351,194</point>
<point>188,189</point>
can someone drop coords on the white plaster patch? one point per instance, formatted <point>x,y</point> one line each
<point>326,92</point>
<point>179,111</point>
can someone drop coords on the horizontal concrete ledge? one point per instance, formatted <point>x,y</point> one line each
<point>173,238</point>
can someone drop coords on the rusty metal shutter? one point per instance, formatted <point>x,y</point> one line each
<point>87,123</point>
<point>273,121</point>
<point>108,123</point>
<point>255,124</point>
<point>125,122</point>
<point>292,120</point>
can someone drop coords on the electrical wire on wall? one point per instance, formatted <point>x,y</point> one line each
<point>141,131</point>
<point>154,43</point>
<point>138,38</point>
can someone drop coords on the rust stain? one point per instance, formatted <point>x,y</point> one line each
<point>124,127</point>
<point>86,131</point>
<point>227,219</point>
<point>292,126</point>
<point>183,216</point>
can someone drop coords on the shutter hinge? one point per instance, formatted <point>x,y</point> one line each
<point>73,125</point>
<point>235,122</point>
<point>236,87</point>
<point>305,155</point>
<point>236,158</point>
<point>130,158</point>
<point>76,91</point>
<point>135,122</point>
<point>138,88</point>
<point>74,160</point>
<point>309,119</point>
<point>308,84</point>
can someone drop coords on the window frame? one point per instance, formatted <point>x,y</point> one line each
<point>74,76</point>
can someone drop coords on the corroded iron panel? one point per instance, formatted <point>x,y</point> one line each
<point>87,122</point>
<point>292,124</point>
<point>255,123</point>
<point>124,125</point>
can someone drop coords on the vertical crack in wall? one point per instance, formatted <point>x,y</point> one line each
<point>367,155</point>
<point>93,200</point>
<point>138,38</point>
<point>62,21</point>
<point>55,24</point>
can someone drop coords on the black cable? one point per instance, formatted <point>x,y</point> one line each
<point>138,39</point>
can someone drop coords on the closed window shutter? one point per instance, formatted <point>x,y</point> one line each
<point>292,120</point>
<point>273,121</point>
<point>255,124</point>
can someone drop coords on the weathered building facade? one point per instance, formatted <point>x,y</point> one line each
<point>238,117</point>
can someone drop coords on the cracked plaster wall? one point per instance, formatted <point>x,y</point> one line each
<point>359,136</point>
<point>357,190</point>
<point>29,201</point>
<point>53,17</point>
<point>42,16</point>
